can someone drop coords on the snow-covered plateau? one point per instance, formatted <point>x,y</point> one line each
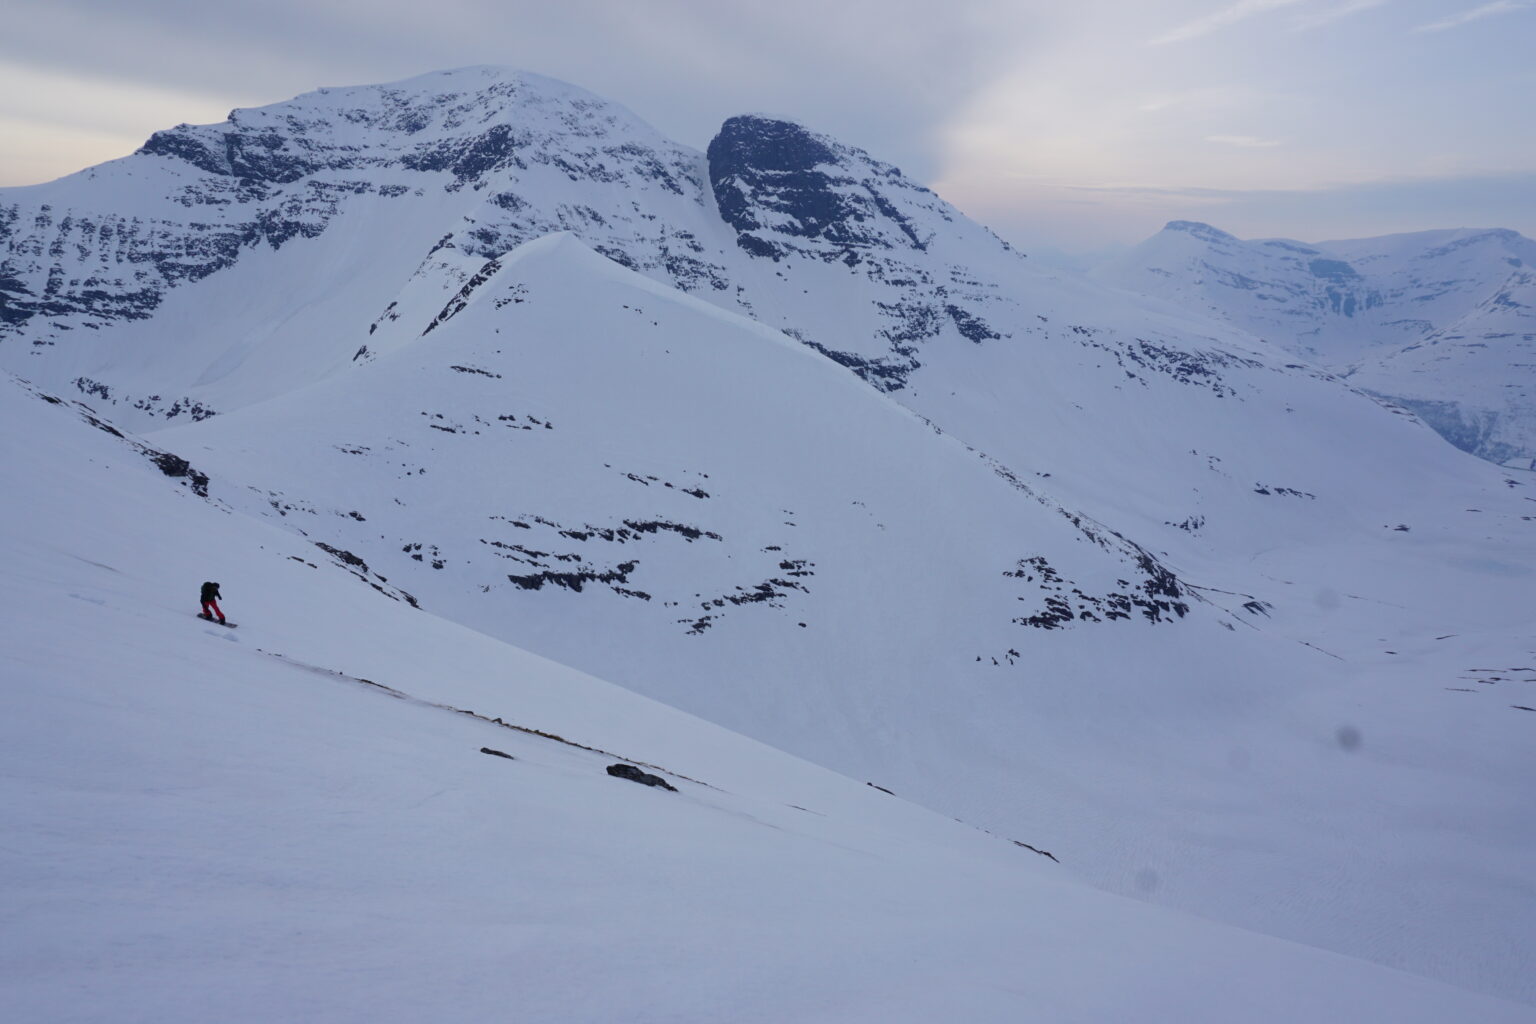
<point>1018,647</point>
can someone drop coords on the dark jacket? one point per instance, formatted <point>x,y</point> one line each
<point>210,592</point>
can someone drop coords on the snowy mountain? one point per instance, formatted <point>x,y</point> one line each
<point>1441,322</point>
<point>777,437</point>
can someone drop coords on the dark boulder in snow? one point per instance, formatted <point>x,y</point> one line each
<point>633,774</point>
<point>176,466</point>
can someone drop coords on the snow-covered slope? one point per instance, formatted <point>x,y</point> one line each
<point>1442,321</point>
<point>1216,628</point>
<point>634,482</point>
<point>296,820</point>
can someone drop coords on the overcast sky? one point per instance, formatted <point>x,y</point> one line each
<point>1079,125</point>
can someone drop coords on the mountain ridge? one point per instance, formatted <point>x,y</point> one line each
<point>1439,322</point>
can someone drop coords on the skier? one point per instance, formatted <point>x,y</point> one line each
<point>210,598</point>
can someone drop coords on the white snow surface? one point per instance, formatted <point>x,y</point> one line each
<point>1093,572</point>
<point>1442,321</point>
<point>245,825</point>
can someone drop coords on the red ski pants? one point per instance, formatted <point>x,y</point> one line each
<point>215,606</point>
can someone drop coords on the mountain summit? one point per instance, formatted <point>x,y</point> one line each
<point>775,181</point>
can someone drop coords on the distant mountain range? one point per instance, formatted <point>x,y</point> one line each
<point>776,436</point>
<point>1440,322</point>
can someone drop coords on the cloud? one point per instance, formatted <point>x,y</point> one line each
<point>1246,141</point>
<point>1230,15</point>
<point>1218,99</point>
<point>1327,16</point>
<point>1475,14</point>
<point>1242,10</point>
<point>106,106</point>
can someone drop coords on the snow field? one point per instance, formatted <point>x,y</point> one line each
<point>203,826</point>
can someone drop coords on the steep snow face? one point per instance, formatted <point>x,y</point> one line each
<point>1443,321</point>
<point>297,820</point>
